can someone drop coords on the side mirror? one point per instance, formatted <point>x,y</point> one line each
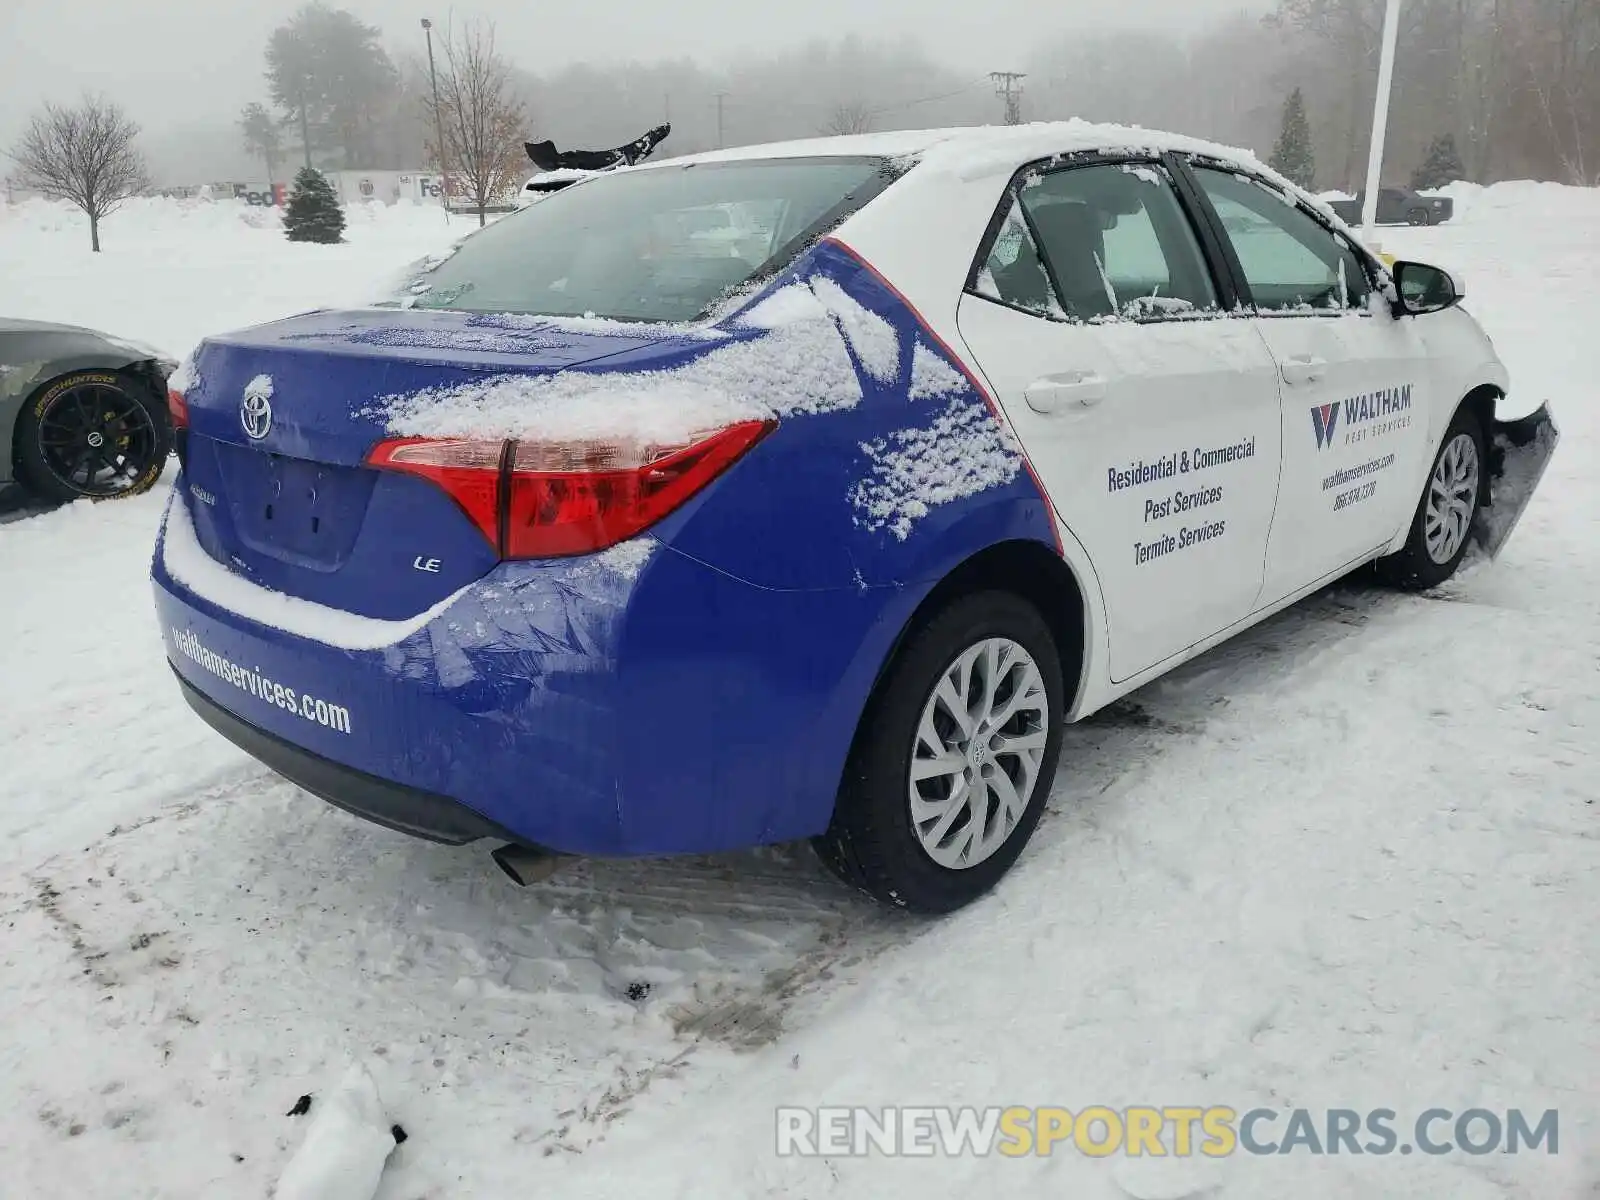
<point>1424,289</point>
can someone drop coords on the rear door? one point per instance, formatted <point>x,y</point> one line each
<point>1354,380</point>
<point>1150,415</point>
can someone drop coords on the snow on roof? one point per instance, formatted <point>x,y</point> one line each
<point>973,143</point>
<point>976,151</point>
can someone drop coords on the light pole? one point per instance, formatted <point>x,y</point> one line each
<point>438,123</point>
<point>1380,117</point>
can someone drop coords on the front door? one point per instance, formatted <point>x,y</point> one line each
<point>1354,384</point>
<point>1151,418</point>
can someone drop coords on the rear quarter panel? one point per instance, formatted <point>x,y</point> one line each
<point>925,242</point>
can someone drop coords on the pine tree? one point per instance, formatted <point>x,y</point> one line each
<point>313,213</point>
<point>1292,157</point>
<point>1441,166</point>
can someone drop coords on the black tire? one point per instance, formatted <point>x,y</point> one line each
<point>57,430</point>
<point>1414,567</point>
<point>871,843</point>
<point>1419,216</point>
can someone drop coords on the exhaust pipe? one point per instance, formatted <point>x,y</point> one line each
<point>527,864</point>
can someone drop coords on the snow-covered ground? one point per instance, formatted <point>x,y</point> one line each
<point>1350,860</point>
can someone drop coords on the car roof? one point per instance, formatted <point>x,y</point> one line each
<point>978,148</point>
<point>23,325</point>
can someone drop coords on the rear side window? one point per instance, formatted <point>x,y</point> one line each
<point>1291,262</point>
<point>1014,273</point>
<point>657,244</point>
<point>1107,242</point>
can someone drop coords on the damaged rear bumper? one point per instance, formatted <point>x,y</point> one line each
<point>1519,451</point>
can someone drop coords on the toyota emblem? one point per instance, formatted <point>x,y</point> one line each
<point>255,411</point>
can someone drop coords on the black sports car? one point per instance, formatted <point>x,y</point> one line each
<point>82,413</point>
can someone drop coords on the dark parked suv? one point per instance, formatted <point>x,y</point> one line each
<point>1398,206</point>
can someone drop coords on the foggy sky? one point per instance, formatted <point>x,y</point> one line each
<point>194,63</point>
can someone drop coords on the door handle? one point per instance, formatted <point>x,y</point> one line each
<point>1302,368</point>
<point>1082,388</point>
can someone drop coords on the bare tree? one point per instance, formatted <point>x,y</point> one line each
<point>84,154</point>
<point>481,117</point>
<point>853,117</point>
<point>263,137</point>
<point>1557,46</point>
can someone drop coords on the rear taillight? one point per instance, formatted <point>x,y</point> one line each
<point>534,499</point>
<point>178,412</point>
<point>469,471</point>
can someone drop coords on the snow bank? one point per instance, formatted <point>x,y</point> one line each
<point>1518,200</point>
<point>174,271</point>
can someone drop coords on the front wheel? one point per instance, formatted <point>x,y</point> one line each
<point>954,758</point>
<point>92,434</point>
<point>1442,525</point>
<point>1419,216</point>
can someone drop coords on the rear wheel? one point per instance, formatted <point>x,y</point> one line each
<point>954,758</point>
<point>1442,525</point>
<point>94,434</point>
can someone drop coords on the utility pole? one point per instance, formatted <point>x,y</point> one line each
<point>721,141</point>
<point>438,123</point>
<point>1380,118</point>
<point>1008,86</point>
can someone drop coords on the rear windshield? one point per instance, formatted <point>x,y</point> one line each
<point>658,244</point>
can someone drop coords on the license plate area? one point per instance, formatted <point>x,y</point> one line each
<point>294,510</point>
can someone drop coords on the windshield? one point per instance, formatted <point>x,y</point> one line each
<point>659,244</point>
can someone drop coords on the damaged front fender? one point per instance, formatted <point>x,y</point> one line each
<point>1518,451</point>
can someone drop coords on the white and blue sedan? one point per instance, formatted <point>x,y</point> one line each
<point>808,491</point>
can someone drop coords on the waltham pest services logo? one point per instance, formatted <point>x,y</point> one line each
<point>1361,410</point>
<point>1324,417</point>
<point>255,410</point>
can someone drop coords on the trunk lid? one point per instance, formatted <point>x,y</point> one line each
<point>282,417</point>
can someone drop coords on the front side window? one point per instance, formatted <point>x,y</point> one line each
<point>1291,262</point>
<point>663,243</point>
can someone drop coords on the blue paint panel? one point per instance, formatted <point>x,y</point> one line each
<point>705,703</point>
<point>786,518</point>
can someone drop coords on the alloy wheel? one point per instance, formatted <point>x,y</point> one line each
<point>976,753</point>
<point>1452,498</point>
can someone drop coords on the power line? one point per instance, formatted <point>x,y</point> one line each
<point>899,104</point>
<point>1008,86</point>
